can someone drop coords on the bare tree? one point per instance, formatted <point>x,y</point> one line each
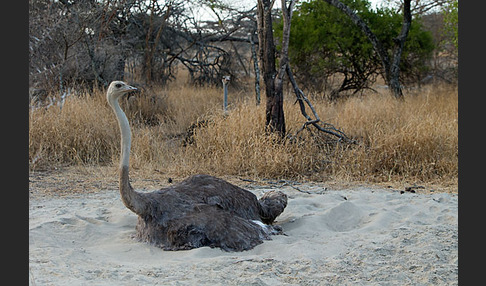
<point>88,43</point>
<point>418,7</point>
<point>152,37</point>
<point>77,42</point>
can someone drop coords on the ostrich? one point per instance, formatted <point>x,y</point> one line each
<point>200,211</point>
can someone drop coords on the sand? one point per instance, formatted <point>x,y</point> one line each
<point>355,236</point>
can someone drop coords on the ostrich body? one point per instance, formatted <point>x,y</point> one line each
<point>200,211</point>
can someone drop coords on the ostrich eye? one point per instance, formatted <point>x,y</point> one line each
<point>118,85</point>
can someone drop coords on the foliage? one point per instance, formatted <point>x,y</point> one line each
<point>417,53</point>
<point>451,12</point>
<point>325,43</point>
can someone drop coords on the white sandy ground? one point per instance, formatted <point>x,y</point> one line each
<point>360,236</point>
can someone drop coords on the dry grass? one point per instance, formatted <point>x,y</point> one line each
<point>413,141</point>
<point>80,132</point>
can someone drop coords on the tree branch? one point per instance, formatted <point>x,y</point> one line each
<point>321,126</point>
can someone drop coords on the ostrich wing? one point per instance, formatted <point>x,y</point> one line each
<point>209,190</point>
<point>212,226</point>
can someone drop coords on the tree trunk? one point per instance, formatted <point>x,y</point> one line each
<point>150,49</point>
<point>394,72</point>
<point>256,69</point>
<point>274,114</point>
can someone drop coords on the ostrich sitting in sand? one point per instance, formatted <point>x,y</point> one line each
<point>201,210</point>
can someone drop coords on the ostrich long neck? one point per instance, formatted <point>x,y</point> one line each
<point>125,133</point>
<point>133,200</point>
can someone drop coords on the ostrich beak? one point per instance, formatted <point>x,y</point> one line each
<point>130,88</point>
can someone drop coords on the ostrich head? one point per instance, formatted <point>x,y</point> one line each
<point>226,79</point>
<point>118,89</point>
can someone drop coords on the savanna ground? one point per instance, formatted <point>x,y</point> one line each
<point>400,143</point>
<point>345,224</point>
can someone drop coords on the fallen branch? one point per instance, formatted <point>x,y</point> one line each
<point>321,126</point>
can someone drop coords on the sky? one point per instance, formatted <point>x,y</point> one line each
<point>251,3</point>
<point>248,4</point>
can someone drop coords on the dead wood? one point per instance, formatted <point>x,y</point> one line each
<point>316,122</point>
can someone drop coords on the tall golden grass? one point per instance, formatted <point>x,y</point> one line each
<point>414,140</point>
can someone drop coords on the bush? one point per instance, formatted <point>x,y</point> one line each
<point>330,53</point>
